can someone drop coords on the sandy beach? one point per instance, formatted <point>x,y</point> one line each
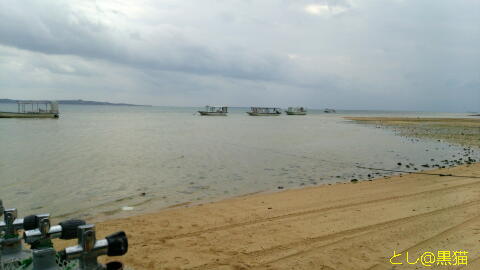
<point>237,135</point>
<point>355,225</point>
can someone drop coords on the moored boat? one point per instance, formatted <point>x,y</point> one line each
<point>329,110</point>
<point>296,111</point>
<point>34,109</point>
<point>214,111</point>
<point>264,111</point>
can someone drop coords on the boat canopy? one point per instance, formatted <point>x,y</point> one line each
<point>296,109</point>
<point>37,106</point>
<point>220,109</point>
<point>265,110</point>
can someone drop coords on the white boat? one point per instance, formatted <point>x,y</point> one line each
<point>34,109</point>
<point>329,110</point>
<point>296,111</point>
<point>214,111</point>
<point>264,111</point>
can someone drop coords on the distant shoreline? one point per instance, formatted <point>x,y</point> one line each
<point>81,102</point>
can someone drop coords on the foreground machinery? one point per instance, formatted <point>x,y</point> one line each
<point>41,255</point>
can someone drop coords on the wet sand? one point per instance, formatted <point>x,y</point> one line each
<point>341,226</point>
<point>464,131</point>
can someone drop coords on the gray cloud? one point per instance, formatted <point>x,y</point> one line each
<point>397,54</point>
<point>57,29</point>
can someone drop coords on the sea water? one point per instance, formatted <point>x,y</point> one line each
<point>107,160</point>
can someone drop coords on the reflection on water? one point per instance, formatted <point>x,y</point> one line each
<point>98,159</point>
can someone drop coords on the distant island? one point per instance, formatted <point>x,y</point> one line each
<point>80,102</point>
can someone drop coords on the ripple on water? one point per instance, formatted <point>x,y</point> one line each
<point>98,160</point>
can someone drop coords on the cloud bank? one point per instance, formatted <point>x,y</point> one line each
<point>406,55</point>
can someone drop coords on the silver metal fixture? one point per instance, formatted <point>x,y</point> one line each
<point>39,238</point>
<point>10,226</point>
<point>11,249</point>
<point>43,232</point>
<point>89,248</point>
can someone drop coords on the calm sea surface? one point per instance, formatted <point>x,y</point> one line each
<point>98,160</point>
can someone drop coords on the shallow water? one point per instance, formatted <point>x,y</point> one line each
<point>100,159</point>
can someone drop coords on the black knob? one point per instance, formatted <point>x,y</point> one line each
<point>30,222</point>
<point>69,228</point>
<point>117,244</point>
<point>114,266</point>
<point>62,255</point>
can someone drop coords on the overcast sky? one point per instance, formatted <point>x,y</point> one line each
<point>351,54</point>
